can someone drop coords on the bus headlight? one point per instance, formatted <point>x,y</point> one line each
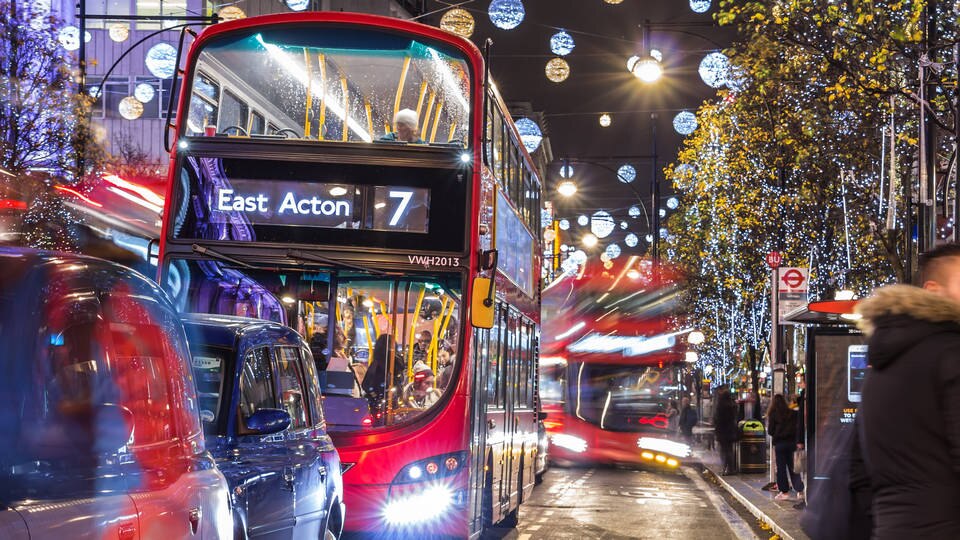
<point>570,442</point>
<point>419,507</point>
<point>663,445</point>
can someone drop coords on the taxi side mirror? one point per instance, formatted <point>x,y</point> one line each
<point>481,304</point>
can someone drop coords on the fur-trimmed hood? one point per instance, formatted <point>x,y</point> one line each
<point>898,316</point>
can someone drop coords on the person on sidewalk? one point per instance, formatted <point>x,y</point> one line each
<point>782,427</point>
<point>673,417</point>
<point>688,420</point>
<point>725,428</point>
<point>911,441</point>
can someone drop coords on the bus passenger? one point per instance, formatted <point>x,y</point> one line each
<point>445,363</point>
<point>421,347</point>
<point>421,394</point>
<point>405,124</point>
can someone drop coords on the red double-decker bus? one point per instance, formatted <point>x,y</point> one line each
<point>611,364</point>
<point>302,192</point>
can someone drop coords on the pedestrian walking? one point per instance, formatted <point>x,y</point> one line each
<point>782,427</point>
<point>673,417</point>
<point>725,428</point>
<point>910,405</point>
<point>688,420</point>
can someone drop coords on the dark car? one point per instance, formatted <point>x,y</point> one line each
<point>98,409</point>
<point>263,419</point>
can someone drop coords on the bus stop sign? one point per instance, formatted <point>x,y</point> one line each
<point>773,259</point>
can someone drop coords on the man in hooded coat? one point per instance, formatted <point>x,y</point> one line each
<point>910,409</point>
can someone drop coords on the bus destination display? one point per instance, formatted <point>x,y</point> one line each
<point>325,205</point>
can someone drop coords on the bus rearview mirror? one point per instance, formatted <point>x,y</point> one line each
<point>481,304</point>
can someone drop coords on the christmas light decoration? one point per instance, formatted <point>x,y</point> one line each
<point>602,224</point>
<point>130,108</point>
<point>561,44</point>
<point>506,14</point>
<point>685,123</point>
<point>626,173</point>
<point>700,6</point>
<point>557,70</point>
<point>144,92</point>
<point>530,134</point>
<point>714,69</point>
<point>564,224</point>
<point>161,60</point>
<point>119,32</point>
<point>459,21</point>
<point>232,13</point>
<point>631,240</point>
<point>605,120</point>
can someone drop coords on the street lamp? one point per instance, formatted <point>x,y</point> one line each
<point>589,240</point>
<point>647,69</point>
<point>567,188</point>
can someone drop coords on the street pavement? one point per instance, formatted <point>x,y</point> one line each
<point>611,504</point>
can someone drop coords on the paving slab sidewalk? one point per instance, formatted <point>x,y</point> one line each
<point>781,516</point>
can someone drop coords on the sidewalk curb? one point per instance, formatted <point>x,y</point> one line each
<point>752,508</point>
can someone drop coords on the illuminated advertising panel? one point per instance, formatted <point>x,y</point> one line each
<point>514,247</point>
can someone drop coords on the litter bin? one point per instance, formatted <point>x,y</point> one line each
<point>752,450</point>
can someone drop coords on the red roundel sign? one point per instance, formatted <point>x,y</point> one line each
<point>773,259</point>
<point>793,278</point>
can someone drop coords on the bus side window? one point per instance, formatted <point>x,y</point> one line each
<point>256,123</point>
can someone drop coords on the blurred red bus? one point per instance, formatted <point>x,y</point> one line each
<point>292,199</point>
<point>611,364</point>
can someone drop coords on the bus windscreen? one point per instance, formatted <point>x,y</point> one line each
<point>327,84</point>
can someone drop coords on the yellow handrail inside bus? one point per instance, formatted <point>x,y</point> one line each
<point>433,98</point>
<point>306,110</point>
<point>453,130</point>
<point>323,96</point>
<point>346,105</point>
<point>436,123</point>
<point>423,92</point>
<point>447,317</point>
<point>402,83</point>
<point>413,332</point>
<point>366,105</point>
<point>434,340</point>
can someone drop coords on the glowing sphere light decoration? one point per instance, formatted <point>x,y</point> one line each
<point>685,123</point>
<point>605,120</point>
<point>144,92</point>
<point>613,251</point>
<point>69,38</point>
<point>583,220</point>
<point>673,203</point>
<point>298,5</point>
<point>700,6</point>
<point>626,173</point>
<point>561,44</point>
<point>715,69</point>
<point>130,108</point>
<point>624,225</point>
<point>557,70</point>
<point>602,224</point>
<point>459,21</point>
<point>119,32</point>
<point>564,224</point>
<point>566,171</point>
<point>647,69</point>
<point>634,211</point>
<point>589,240</point>
<point>530,134</point>
<point>631,240</point>
<point>506,14</point>
<point>613,2</point>
<point>231,13</point>
<point>161,60</point>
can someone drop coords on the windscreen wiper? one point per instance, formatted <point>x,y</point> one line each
<point>312,257</point>
<point>197,248</point>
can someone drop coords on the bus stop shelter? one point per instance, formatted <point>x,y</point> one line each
<point>835,361</point>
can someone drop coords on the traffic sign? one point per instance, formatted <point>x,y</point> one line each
<point>773,259</point>
<point>793,280</point>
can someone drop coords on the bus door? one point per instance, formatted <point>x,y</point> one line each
<point>478,441</point>
<point>514,441</point>
<point>498,430</point>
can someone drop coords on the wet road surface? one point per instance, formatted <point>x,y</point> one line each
<point>614,504</point>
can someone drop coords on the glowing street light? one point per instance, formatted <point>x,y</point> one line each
<point>647,69</point>
<point>589,240</point>
<point>567,188</point>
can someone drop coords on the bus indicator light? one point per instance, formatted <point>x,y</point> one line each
<point>451,464</point>
<point>432,468</point>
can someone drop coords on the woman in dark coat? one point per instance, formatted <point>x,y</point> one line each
<point>782,427</point>
<point>725,428</point>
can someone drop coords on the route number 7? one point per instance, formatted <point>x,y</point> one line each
<point>404,197</point>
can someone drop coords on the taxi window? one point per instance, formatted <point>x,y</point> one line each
<point>313,388</point>
<point>256,382</point>
<point>292,397</point>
